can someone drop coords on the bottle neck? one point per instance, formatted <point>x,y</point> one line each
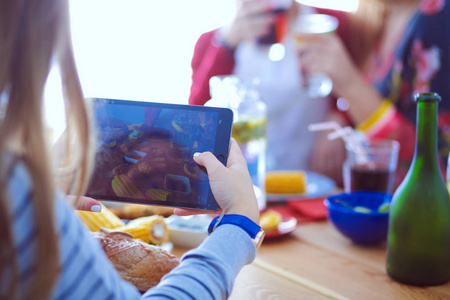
<point>426,133</point>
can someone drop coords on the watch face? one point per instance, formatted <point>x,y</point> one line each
<point>259,238</point>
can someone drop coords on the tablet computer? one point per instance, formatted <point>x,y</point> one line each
<point>145,152</point>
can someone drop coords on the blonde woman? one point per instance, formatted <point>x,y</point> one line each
<point>45,251</point>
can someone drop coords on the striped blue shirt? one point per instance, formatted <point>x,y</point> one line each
<point>207,272</point>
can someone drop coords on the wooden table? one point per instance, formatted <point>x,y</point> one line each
<point>317,262</point>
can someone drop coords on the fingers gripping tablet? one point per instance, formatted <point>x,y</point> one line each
<point>145,149</point>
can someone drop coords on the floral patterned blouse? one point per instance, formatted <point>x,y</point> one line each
<point>421,63</point>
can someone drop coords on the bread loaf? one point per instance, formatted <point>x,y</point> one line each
<point>137,262</point>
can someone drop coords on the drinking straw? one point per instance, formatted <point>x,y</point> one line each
<point>324,126</point>
<point>346,133</point>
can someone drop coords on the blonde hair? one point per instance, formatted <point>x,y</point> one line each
<point>32,35</point>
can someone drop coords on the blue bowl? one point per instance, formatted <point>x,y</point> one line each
<point>365,228</point>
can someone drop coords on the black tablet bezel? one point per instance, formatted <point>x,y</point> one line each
<point>221,148</point>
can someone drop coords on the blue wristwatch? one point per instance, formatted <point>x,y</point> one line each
<point>253,230</point>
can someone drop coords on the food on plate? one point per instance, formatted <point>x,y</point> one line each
<point>123,186</point>
<point>269,220</point>
<point>158,194</point>
<point>360,209</point>
<point>286,182</point>
<point>131,211</point>
<point>132,159</point>
<point>151,230</point>
<point>385,207</point>
<point>137,262</point>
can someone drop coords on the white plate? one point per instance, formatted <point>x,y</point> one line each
<point>318,186</point>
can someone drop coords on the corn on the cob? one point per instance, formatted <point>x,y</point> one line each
<point>158,194</point>
<point>152,229</point>
<point>124,187</point>
<point>270,220</point>
<point>96,220</point>
<point>286,182</point>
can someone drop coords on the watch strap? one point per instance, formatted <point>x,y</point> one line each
<point>243,222</point>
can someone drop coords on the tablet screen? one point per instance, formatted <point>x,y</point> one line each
<point>144,152</point>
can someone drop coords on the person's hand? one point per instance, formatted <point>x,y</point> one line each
<point>231,185</point>
<point>86,203</point>
<point>325,53</point>
<point>250,22</point>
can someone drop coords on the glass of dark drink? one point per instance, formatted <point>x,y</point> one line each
<point>278,29</point>
<point>373,172</point>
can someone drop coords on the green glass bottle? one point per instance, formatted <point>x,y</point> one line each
<point>419,219</point>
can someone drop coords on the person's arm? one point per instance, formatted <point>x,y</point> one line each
<point>86,272</point>
<point>210,58</point>
<point>343,19</point>
<point>214,50</point>
<point>208,272</point>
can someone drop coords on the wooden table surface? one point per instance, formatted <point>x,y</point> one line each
<point>317,262</point>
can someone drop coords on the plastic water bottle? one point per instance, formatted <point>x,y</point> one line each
<point>249,125</point>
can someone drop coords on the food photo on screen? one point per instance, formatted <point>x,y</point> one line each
<point>145,154</point>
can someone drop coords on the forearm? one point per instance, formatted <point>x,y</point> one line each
<point>209,271</point>
<point>363,99</point>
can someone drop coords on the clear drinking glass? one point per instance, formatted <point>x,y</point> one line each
<point>317,84</point>
<point>376,172</point>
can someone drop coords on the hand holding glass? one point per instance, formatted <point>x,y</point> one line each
<point>317,84</point>
<point>277,30</point>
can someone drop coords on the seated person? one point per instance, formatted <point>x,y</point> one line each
<point>382,55</point>
<point>234,49</point>
<point>396,49</point>
<point>45,250</point>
